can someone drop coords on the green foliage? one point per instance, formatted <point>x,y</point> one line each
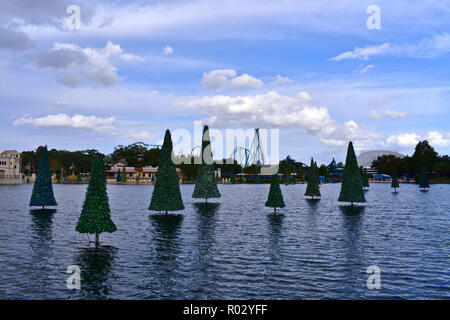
<point>323,171</point>
<point>351,188</point>
<point>119,176</point>
<point>424,179</point>
<point>166,194</point>
<point>395,183</point>
<point>82,160</point>
<point>95,216</point>
<point>206,185</point>
<point>123,178</point>
<point>43,189</point>
<point>365,179</point>
<point>275,199</point>
<point>137,156</point>
<point>313,188</point>
<point>424,156</point>
<point>78,177</point>
<point>252,169</point>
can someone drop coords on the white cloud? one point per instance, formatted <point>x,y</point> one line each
<point>217,79</point>
<point>14,40</point>
<point>273,110</point>
<point>62,120</point>
<point>403,140</point>
<point>138,136</point>
<point>434,46</point>
<point>391,114</point>
<point>246,81</point>
<point>410,140</point>
<point>375,115</point>
<point>168,50</point>
<point>281,80</point>
<point>81,65</point>
<point>363,53</point>
<point>366,68</point>
<point>438,139</point>
<point>221,78</point>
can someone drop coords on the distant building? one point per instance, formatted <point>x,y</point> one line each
<point>10,167</point>
<point>366,158</point>
<point>336,170</point>
<point>9,164</point>
<point>145,174</point>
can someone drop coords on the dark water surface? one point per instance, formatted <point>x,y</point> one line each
<point>232,249</point>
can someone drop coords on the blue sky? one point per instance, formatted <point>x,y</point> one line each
<point>311,69</point>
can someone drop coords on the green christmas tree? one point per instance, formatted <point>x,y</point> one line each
<point>166,194</point>
<point>78,177</point>
<point>316,168</point>
<point>394,183</point>
<point>351,188</point>
<point>95,216</point>
<point>232,177</point>
<point>119,176</point>
<point>206,185</point>
<point>43,189</point>
<point>123,178</point>
<point>424,180</point>
<point>275,199</point>
<point>258,178</point>
<point>365,179</point>
<point>313,189</point>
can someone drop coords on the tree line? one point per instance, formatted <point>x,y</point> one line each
<point>424,157</point>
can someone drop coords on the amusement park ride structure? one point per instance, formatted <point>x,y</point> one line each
<point>243,156</point>
<point>247,157</point>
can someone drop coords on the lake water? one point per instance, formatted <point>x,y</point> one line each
<point>233,249</point>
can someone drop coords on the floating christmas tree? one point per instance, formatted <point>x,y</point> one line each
<point>43,189</point>
<point>365,179</point>
<point>206,185</point>
<point>275,199</point>
<point>313,189</point>
<point>258,178</point>
<point>123,178</point>
<point>394,183</point>
<point>166,194</point>
<point>351,188</point>
<point>95,216</point>
<point>119,176</point>
<point>316,168</point>
<point>232,177</point>
<point>424,180</point>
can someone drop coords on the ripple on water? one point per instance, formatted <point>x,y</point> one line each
<point>230,248</point>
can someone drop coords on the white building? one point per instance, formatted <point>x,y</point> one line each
<point>10,167</point>
<point>366,158</point>
<point>9,164</point>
